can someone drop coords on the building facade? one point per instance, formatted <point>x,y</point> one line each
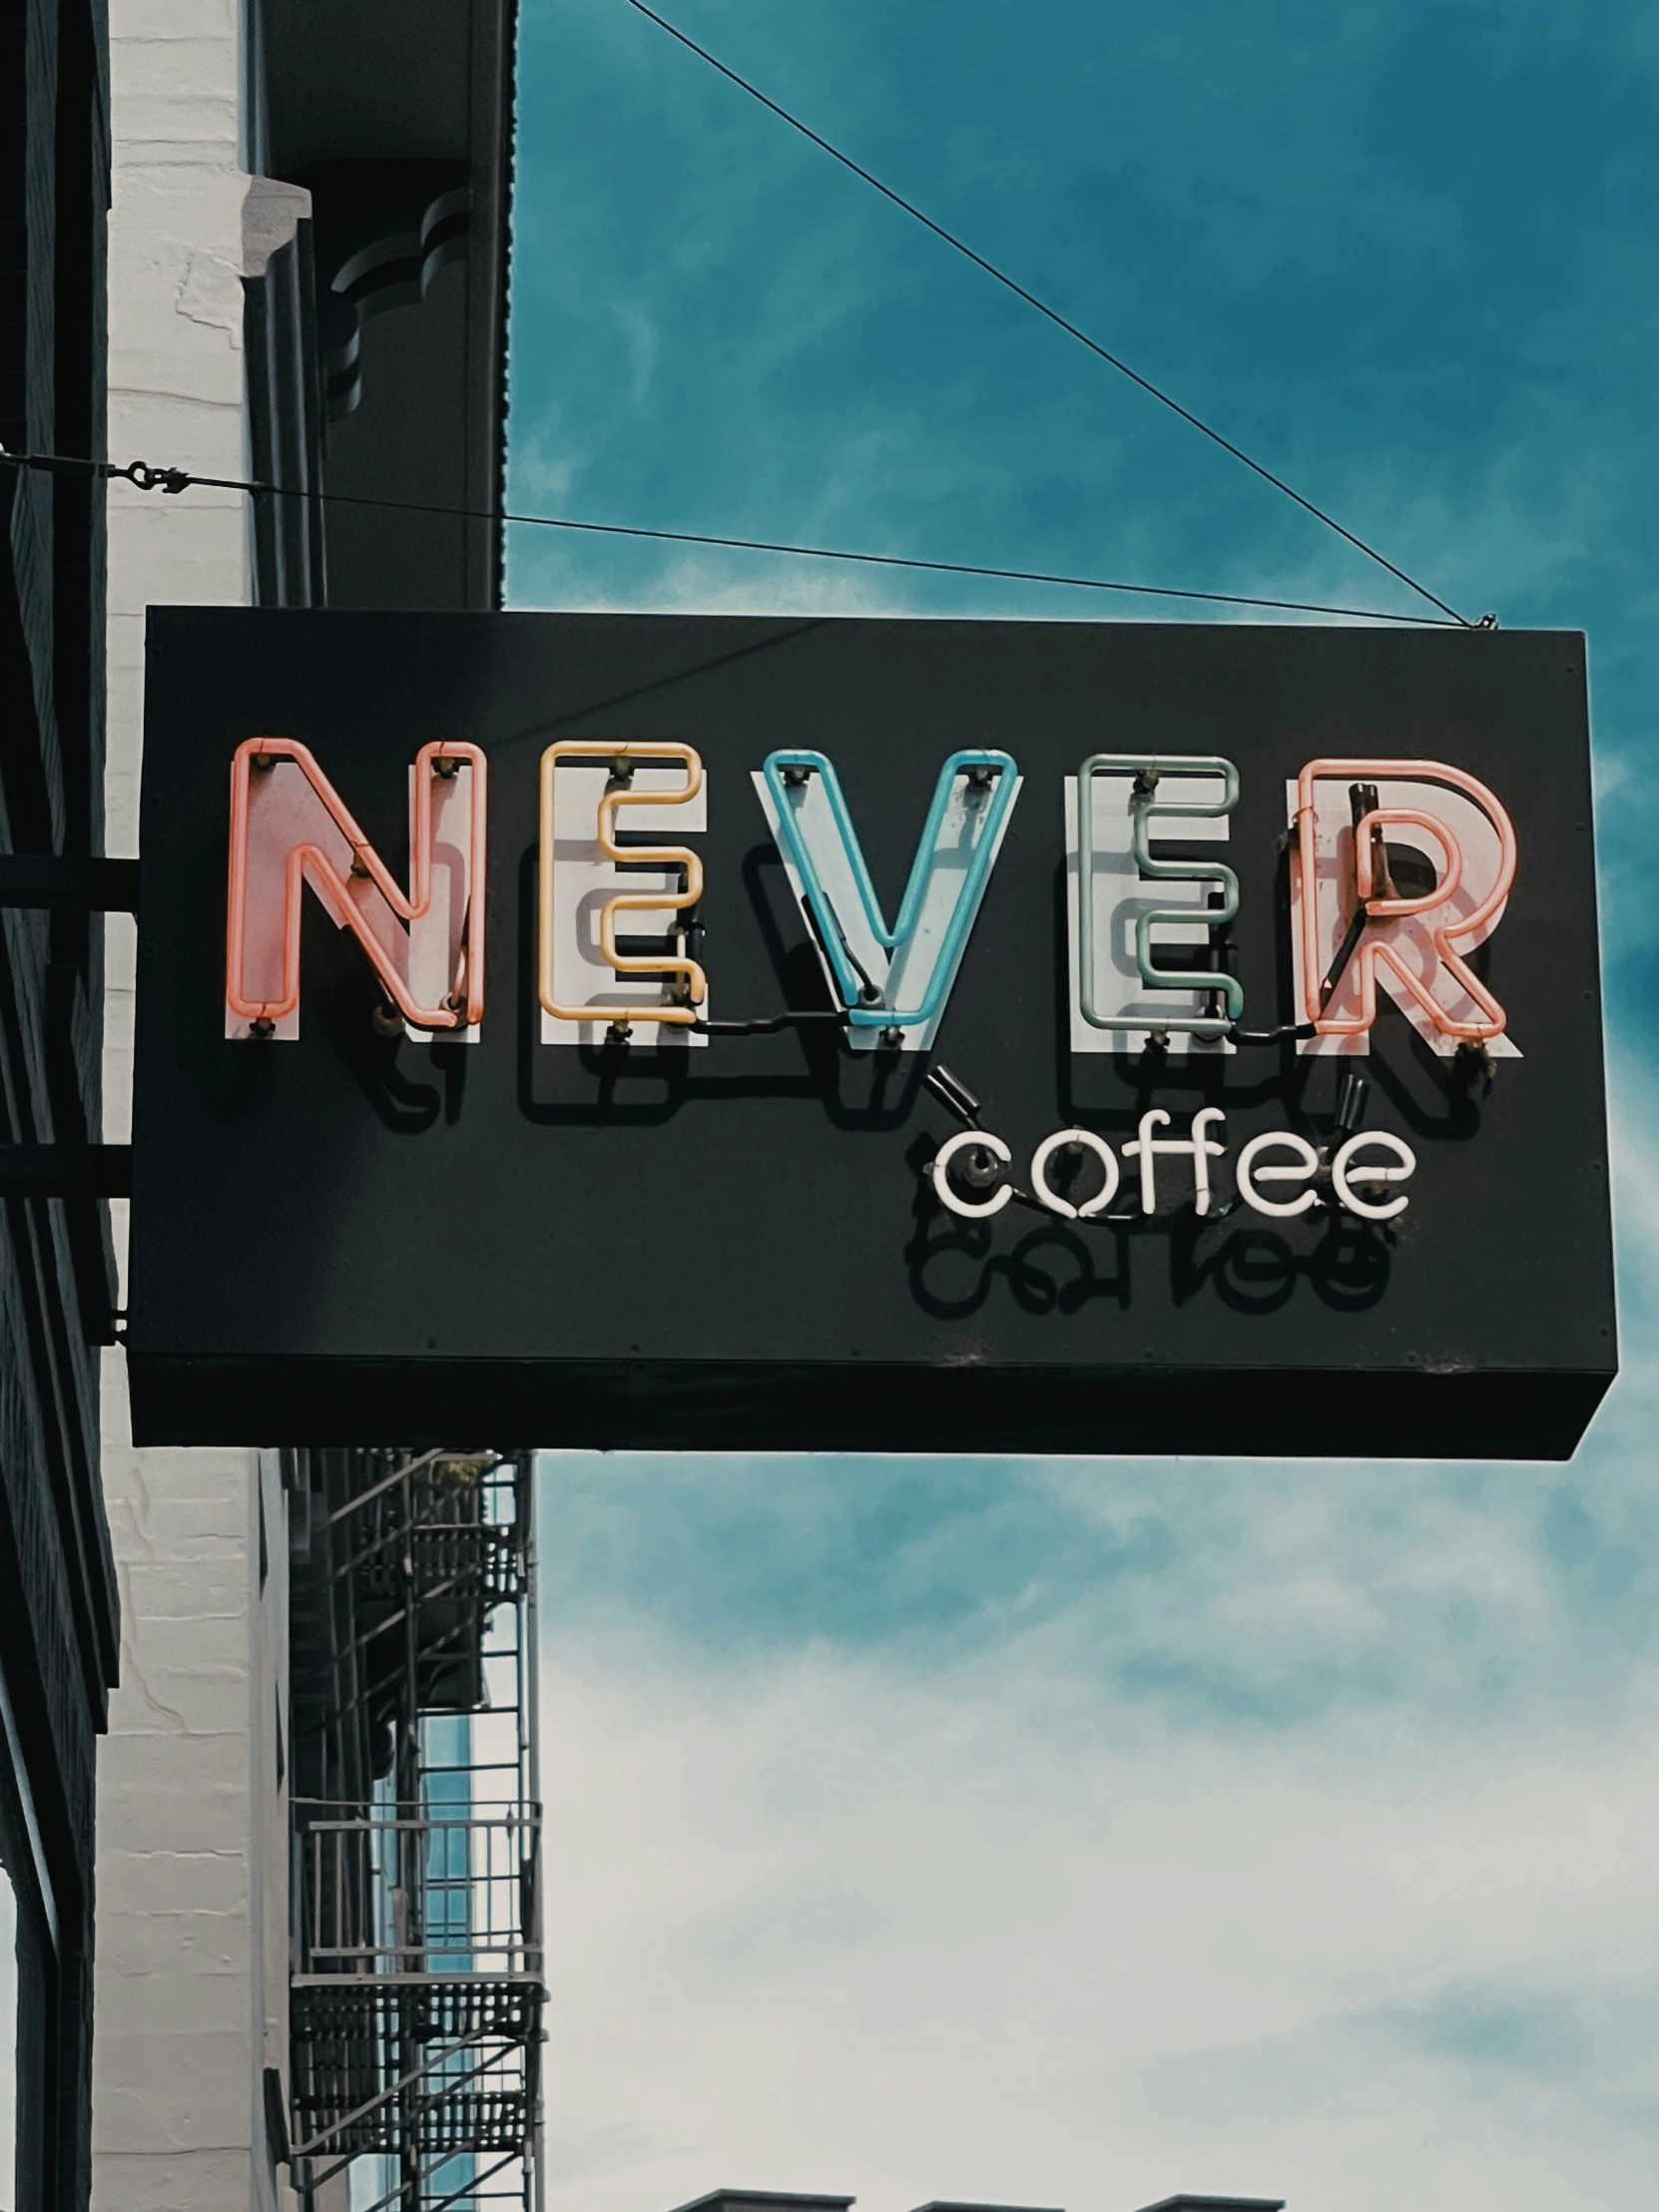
<point>58,1606</point>
<point>307,288</point>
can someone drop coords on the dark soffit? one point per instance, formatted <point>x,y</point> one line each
<point>370,80</point>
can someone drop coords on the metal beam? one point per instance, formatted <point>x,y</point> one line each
<point>90,882</point>
<point>66,1171</point>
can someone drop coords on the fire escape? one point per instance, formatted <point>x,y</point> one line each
<point>417,1984</point>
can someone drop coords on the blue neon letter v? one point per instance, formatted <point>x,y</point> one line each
<point>897,979</point>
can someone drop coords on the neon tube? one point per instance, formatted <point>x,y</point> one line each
<point>694,981</point>
<point>310,861</point>
<point>1187,871</point>
<point>861,1016</point>
<point>1368,955</point>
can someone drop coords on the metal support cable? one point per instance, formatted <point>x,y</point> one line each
<point>176,480</point>
<point>1051,315</point>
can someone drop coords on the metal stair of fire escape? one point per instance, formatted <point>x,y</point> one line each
<point>416,1989</point>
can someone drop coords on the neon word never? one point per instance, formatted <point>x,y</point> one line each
<point>1400,868</point>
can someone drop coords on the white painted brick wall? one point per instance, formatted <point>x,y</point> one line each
<point>190,1991</point>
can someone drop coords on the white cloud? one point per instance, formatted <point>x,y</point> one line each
<point>821,1925</point>
<point>569,576</point>
<point>546,464</point>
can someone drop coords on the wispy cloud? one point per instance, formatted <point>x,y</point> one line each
<point>835,1926</point>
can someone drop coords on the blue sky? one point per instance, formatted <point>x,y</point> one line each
<point>1071,1833</point>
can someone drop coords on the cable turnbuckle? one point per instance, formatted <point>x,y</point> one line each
<point>146,478</point>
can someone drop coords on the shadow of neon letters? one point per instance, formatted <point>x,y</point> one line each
<point>1400,869</point>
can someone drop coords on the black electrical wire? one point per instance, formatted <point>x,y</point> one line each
<point>769,1025</point>
<point>176,480</point>
<point>1042,307</point>
<point>1291,1030</point>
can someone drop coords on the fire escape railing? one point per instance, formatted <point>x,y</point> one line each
<point>394,1891</point>
<point>416,1983</point>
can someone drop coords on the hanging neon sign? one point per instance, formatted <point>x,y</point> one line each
<point>699,1179</point>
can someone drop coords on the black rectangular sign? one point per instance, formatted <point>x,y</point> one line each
<point>735,1033</point>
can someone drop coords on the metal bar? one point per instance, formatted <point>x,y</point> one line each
<point>395,2195</point>
<point>384,2096</point>
<point>436,2097</point>
<point>526,1656</point>
<point>482,1813</point>
<point>314,2182</point>
<point>88,881</point>
<point>467,2186</point>
<point>414,1467</point>
<point>425,1596</point>
<point>403,2187</point>
<point>339,1984</point>
<point>454,1639</point>
<point>66,1170</point>
<point>505,1815</point>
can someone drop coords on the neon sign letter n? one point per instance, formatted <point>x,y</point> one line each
<point>289,827</point>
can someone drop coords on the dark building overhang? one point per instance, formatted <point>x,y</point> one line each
<point>1216,2204</point>
<point>398,123</point>
<point>765,2200</point>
